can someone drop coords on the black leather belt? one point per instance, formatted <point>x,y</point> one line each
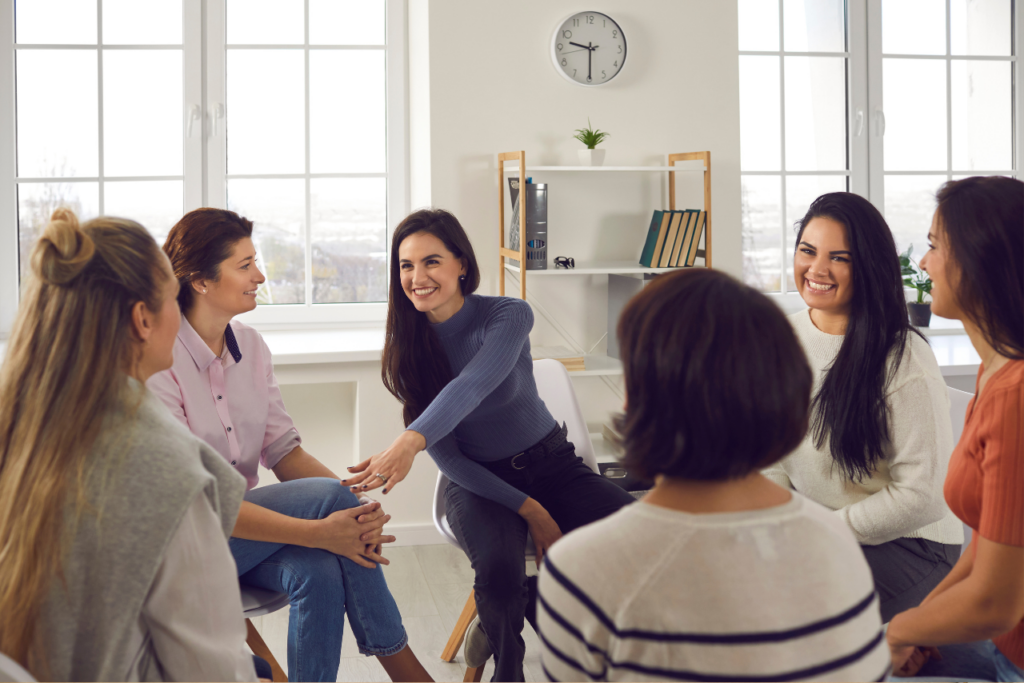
<point>541,449</point>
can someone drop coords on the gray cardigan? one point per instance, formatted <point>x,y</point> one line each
<point>153,469</point>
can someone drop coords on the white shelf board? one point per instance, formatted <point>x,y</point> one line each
<point>512,168</point>
<point>598,365</point>
<point>596,268</point>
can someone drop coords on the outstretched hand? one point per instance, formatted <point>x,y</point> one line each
<point>388,467</point>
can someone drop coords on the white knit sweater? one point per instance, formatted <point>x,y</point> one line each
<point>903,497</point>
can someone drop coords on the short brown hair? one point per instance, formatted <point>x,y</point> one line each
<point>199,243</point>
<point>717,385</point>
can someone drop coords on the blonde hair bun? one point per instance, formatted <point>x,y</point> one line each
<point>63,251</point>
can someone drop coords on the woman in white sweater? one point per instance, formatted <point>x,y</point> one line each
<point>880,436</point>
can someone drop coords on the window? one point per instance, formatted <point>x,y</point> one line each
<point>297,122</point>
<point>885,98</point>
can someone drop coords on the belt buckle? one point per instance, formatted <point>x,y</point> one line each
<point>514,465</point>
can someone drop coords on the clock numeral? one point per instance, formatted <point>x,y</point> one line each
<point>574,73</point>
<point>567,34</point>
<point>604,23</point>
<point>620,50</point>
<point>615,63</point>
<point>590,19</point>
<point>575,22</point>
<point>564,62</point>
<point>615,34</point>
<point>604,75</point>
<point>559,47</point>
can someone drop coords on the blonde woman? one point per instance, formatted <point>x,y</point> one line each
<point>113,518</point>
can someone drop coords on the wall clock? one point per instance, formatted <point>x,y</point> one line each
<point>589,48</point>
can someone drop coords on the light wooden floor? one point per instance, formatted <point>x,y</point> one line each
<point>430,584</point>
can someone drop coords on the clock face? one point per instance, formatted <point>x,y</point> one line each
<point>589,48</point>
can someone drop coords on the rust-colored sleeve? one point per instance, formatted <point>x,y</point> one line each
<point>1002,466</point>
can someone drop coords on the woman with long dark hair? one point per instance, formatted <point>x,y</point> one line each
<point>974,261</point>
<point>880,435</point>
<point>307,536</point>
<point>460,364</point>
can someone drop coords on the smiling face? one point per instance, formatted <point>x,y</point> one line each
<point>822,267</point>
<point>945,279</point>
<point>234,292</point>
<point>430,276</point>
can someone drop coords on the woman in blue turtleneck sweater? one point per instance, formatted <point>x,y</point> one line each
<point>460,364</point>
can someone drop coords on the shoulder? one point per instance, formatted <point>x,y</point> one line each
<point>504,309</point>
<point>917,364</point>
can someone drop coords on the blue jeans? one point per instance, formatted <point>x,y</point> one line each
<point>321,585</point>
<point>981,661</point>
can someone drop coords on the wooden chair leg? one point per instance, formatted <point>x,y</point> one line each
<point>461,626</point>
<point>474,674</point>
<point>259,648</point>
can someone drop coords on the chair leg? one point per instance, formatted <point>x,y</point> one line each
<point>474,674</point>
<point>259,648</point>
<point>459,633</point>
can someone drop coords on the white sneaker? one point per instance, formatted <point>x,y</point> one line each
<point>476,649</point>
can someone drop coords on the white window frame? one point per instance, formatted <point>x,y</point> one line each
<point>204,162</point>
<point>865,113</point>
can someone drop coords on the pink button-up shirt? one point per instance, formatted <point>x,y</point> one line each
<point>232,402</point>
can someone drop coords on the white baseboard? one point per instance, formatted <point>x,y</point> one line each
<point>414,534</point>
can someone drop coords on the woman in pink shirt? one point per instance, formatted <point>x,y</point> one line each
<point>308,535</point>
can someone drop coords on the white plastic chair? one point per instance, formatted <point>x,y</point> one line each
<point>12,672</point>
<point>555,388</point>
<point>958,402</point>
<point>255,603</point>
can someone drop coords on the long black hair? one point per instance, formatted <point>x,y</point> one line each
<point>983,221</point>
<point>415,367</point>
<point>850,409</point>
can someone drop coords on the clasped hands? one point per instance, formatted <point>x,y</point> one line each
<point>356,533</point>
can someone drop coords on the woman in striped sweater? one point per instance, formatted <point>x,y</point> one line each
<point>718,574</point>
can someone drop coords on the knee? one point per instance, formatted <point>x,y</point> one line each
<point>500,578</point>
<point>332,495</point>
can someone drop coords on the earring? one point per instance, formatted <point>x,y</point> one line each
<point>462,278</point>
<point>204,291</point>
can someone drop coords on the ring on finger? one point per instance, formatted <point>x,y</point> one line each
<point>381,477</point>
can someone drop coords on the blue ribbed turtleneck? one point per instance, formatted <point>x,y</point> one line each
<point>491,409</point>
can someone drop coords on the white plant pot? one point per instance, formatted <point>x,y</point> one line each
<point>591,157</point>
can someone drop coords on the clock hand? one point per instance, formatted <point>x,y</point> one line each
<point>590,60</point>
<point>578,45</point>
<point>571,52</point>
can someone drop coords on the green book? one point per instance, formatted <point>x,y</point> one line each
<point>648,256</point>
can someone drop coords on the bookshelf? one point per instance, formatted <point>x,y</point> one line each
<point>595,364</point>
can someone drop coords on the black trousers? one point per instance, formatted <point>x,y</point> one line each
<point>494,537</point>
<point>906,570</point>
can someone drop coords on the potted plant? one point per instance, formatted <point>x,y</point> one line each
<point>915,278</point>
<point>591,138</point>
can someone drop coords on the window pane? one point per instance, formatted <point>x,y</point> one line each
<point>980,27</point>
<point>909,205</point>
<point>349,234</point>
<point>914,27</point>
<point>347,111</point>
<point>346,22</point>
<point>156,204</point>
<point>142,110</point>
<point>815,25</point>
<point>801,190</point>
<point>266,111</point>
<point>815,113</point>
<point>759,24</point>
<point>265,22</point>
<point>57,136</point>
<point>760,136</point>
<point>982,115</point>
<point>55,22</point>
<point>278,209</point>
<point>914,92</point>
<point>131,22</point>
<point>761,211</point>
<point>36,203</point>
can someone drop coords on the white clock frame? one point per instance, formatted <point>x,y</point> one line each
<point>554,50</point>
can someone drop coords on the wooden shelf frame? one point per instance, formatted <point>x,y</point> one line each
<point>520,255</point>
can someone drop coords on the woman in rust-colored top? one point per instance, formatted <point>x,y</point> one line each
<point>977,243</point>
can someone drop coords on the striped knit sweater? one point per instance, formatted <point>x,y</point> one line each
<point>491,409</point>
<point>656,594</point>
